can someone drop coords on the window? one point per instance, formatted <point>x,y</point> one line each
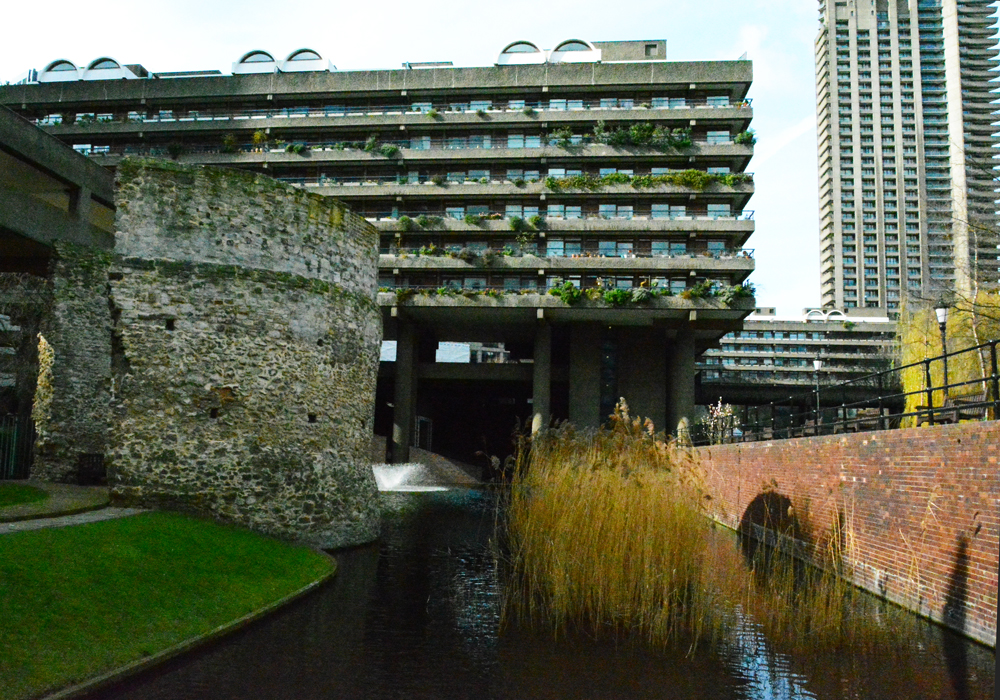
<point>652,50</point>
<point>717,137</point>
<point>717,101</point>
<point>515,140</point>
<point>484,105</point>
<point>718,210</point>
<point>455,212</point>
<point>556,211</point>
<point>421,107</point>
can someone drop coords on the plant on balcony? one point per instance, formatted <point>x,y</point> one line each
<point>563,136</point>
<point>473,219</point>
<point>643,135</point>
<point>702,290</point>
<point>567,292</point>
<point>529,111</point>
<point>404,294</point>
<point>484,181</point>
<point>517,224</point>
<point>519,182</point>
<point>737,291</point>
<point>640,295</point>
<point>229,143</point>
<point>466,255</point>
<point>481,113</point>
<point>433,113</point>
<point>299,149</point>
<point>746,138</point>
<point>259,139</point>
<point>438,180</point>
<point>617,297</point>
<point>406,223</point>
<point>537,221</point>
<point>388,150</point>
<point>490,258</point>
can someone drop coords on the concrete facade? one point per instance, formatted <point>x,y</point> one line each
<point>905,109</point>
<point>491,187</point>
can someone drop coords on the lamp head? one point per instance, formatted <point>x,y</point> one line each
<point>817,364</point>
<point>942,314</point>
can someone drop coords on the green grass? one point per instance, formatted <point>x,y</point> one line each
<point>82,600</point>
<point>17,494</point>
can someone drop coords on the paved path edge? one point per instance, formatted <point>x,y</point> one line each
<point>52,514</point>
<point>134,668</point>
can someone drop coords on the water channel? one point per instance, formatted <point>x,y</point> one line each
<point>416,616</point>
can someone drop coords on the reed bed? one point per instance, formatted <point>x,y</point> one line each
<point>607,532</point>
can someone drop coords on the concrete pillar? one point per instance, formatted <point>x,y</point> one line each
<point>681,373</point>
<point>642,373</point>
<point>541,383</point>
<point>585,375</point>
<point>405,395</point>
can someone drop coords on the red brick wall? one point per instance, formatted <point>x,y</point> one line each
<point>910,500</point>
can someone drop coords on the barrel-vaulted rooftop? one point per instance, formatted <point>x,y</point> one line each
<point>732,76</point>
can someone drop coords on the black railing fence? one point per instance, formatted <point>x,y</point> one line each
<point>875,401</point>
<point>17,444</point>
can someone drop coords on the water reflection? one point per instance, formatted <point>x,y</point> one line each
<point>416,616</point>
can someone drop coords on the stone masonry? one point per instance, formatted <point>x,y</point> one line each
<point>245,352</point>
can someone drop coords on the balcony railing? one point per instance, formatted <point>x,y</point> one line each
<point>829,409</point>
<point>438,216</point>
<point>308,147</point>
<point>169,116</point>
<point>744,253</point>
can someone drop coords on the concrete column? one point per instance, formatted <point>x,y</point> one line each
<point>541,383</point>
<point>681,372</point>
<point>642,373</point>
<point>405,395</point>
<point>585,375</point>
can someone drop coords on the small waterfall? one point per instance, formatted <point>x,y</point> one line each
<point>405,477</point>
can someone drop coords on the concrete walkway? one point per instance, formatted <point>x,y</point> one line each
<point>67,504</point>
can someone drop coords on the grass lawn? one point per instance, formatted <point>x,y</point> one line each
<point>78,601</point>
<point>16,494</point>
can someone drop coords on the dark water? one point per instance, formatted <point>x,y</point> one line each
<point>416,617</point>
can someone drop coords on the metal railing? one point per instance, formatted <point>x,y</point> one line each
<point>17,446</point>
<point>309,147</point>
<point>485,107</point>
<point>515,251</point>
<point>382,215</point>
<point>878,401</point>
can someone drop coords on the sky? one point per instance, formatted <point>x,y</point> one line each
<point>777,35</point>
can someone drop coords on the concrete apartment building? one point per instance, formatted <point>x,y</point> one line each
<point>906,139</point>
<point>599,169</point>
<point>773,358</point>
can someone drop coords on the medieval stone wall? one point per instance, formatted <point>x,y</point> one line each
<point>71,401</point>
<point>246,347</point>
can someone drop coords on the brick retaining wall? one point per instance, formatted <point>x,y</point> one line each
<point>919,508</point>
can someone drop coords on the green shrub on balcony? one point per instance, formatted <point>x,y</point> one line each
<point>745,138</point>
<point>406,223</point>
<point>473,219</point>
<point>643,135</point>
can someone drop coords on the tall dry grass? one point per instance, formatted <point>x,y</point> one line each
<point>607,532</point>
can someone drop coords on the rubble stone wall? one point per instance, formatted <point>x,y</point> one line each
<point>245,352</point>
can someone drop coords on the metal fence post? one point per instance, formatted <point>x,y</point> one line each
<point>930,391</point>
<point>996,378</point>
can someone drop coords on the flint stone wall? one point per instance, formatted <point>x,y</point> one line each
<point>245,353</point>
<point>71,399</point>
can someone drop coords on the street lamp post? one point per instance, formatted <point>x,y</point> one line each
<point>817,366</point>
<point>942,318</point>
